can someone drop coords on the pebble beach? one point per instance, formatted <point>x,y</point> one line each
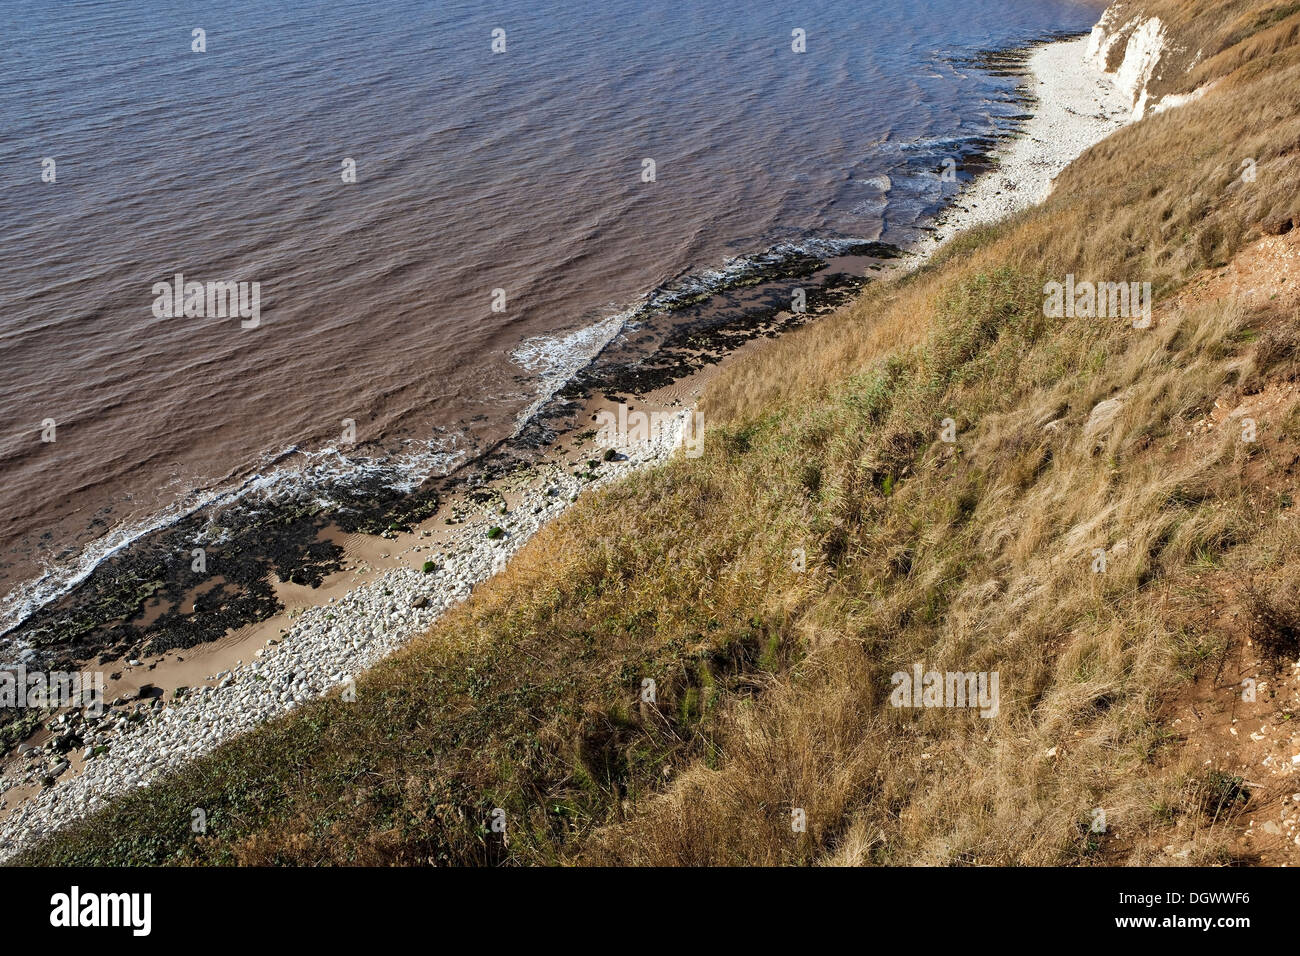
<point>1076,106</point>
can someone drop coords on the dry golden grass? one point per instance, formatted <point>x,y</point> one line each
<point>773,685</point>
<point>1210,39</point>
<point>1085,659</point>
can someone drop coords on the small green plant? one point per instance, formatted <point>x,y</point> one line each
<point>428,567</point>
<point>1164,811</point>
<point>494,532</point>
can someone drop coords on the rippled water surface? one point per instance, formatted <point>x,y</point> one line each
<point>476,171</point>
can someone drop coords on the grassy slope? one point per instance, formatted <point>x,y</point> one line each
<point>1210,38</point>
<point>772,684</point>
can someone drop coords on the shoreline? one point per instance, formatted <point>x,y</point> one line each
<point>1075,107</point>
<point>364,610</point>
<point>141,597</point>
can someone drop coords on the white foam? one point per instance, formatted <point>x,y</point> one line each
<point>309,475</point>
<point>557,358</point>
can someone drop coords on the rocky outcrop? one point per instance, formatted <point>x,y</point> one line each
<point>1143,56</point>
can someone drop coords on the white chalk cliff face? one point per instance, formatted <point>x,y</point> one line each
<point>1145,42</point>
<point>1106,35</point>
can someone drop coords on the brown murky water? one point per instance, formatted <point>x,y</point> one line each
<point>522,172</point>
